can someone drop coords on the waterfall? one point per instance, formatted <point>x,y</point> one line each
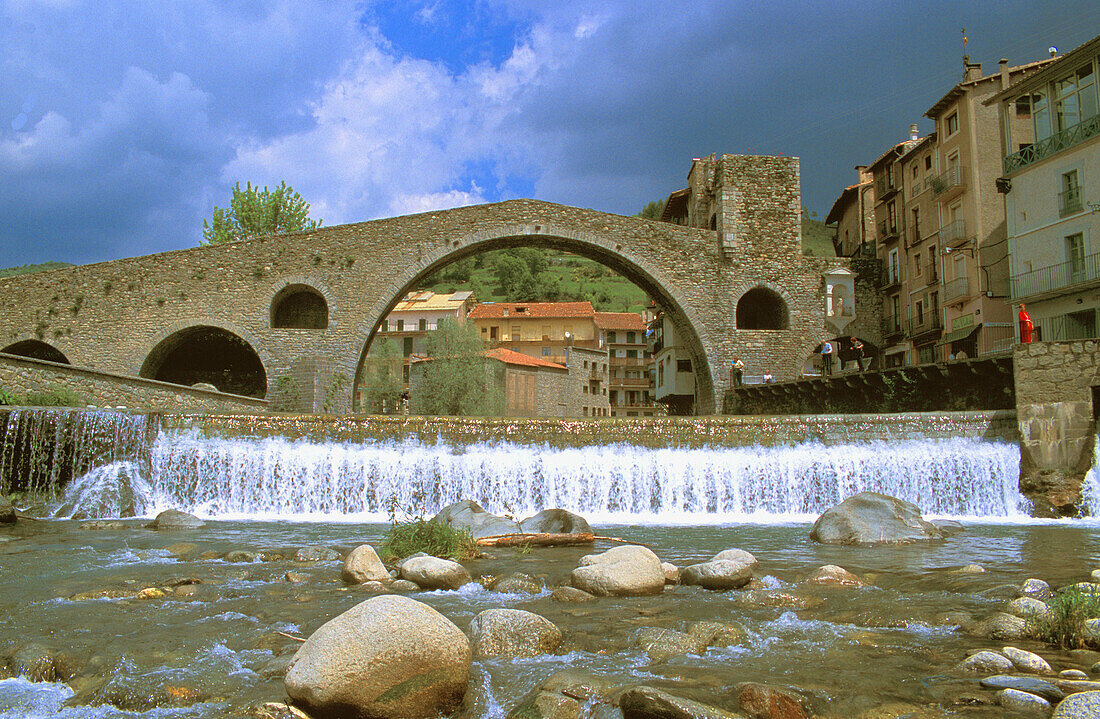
<point>275,477</point>
<point>43,450</point>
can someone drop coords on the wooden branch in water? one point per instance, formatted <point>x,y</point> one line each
<point>289,636</point>
<point>622,541</point>
<point>541,539</point>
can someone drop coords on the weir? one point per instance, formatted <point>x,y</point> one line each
<point>661,470</point>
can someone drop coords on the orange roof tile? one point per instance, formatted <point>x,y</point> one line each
<point>508,356</point>
<point>546,310</point>
<point>619,321</point>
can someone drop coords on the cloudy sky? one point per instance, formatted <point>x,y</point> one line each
<point>122,124</point>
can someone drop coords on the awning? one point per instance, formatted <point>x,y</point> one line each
<point>956,335</point>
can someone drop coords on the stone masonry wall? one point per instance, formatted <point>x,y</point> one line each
<point>110,316</point>
<point>104,389</point>
<point>1055,382</point>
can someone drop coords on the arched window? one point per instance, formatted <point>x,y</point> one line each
<point>299,307</point>
<point>207,355</point>
<point>762,309</point>
<point>36,349</point>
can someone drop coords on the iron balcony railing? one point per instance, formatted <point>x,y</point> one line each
<point>990,339</point>
<point>1056,277</point>
<point>887,230</point>
<point>1055,143</point>
<point>889,277</point>
<point>931,275</point>
<point>952,233</point>
<point>912,237</point>
<point>891,326</point>
<point>956,289</point>
<point>1065,328</point>
<point>941,184</point>
<point>929,322</point>
<point>884,186</point>
<point>1069,201</point>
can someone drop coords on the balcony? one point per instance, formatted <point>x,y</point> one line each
<point>948,184</point>
<point>631,361</point>
<point>1070,201</point>
<point>630,382</point>
<point>892,327</point>
<point>1055,143</point>
<point>889,278</point>
<point>912,237</point>
<point>953,233</point>
<point>957,290</point>
<point>931,274</point>
<point>887,231</point>
<point>930,322</point>
<point>1056,278</point>
<point>885,186</point>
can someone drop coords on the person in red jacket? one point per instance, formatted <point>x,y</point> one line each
<point>1026,327</point>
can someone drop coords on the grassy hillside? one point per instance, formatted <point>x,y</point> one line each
<point>817,239</point>
<point>27,269</point>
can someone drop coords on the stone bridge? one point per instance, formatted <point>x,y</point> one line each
<point>246,316</point>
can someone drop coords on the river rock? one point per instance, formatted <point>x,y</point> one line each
<point>512,633</point>
<point>363,565</point>
<point>1072,674</point>
<point>1091,629</point>
<point>985,663</point>
<point>661,644</point>
<point>241,555</point>
<point>274,710</point>
<point>469,515</point>
<point>7,511</point>
<point>1023,703</point>
<point>832,574</point>
<point>1025,607</point>
<point>649,703</point>
<point>555,521</point>
<point>999,626</point>
<point>1036,589</point>
<point>630,570</point>
<point>969,569</point>
<point>1079,706</point>
<point>389,657</point>
<point>719,634</point>
<point>434,573</point>
<point>317,554</point>
<point>870,518</point>
<point>1028,662</point>
<point>561,694</point>
<point>1073,686</point>
<point>175,519</point>
<point>104,525</point>
<point>672,573</point>
<point>517,583</point>
<point>404,585</point>
<point>1038,687</point>
<point>761,701</point>
<point>570,595</point>
<point>39,663</point>
<point>777,598</point>
<point>729,569</point>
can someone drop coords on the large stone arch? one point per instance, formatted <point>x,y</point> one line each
<point>36,349</point>
<point>605,249</point>
<point>292,284</point>
<point>190,352</point>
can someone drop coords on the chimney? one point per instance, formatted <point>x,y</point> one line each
<point>914,133</point>
<point>971,70</point>
<point>1003,65</point>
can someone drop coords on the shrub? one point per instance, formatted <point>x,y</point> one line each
<point>6,397</point>
<point>53,397</point>
<point>421,535</point>
<point>1064,626</point>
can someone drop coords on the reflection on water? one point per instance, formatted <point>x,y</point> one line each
<point>855,647</point>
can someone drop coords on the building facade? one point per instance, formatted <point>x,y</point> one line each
<point>1050,132</point>
<point>630,381</point>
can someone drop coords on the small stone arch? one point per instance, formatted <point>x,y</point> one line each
<point>297,303</point>
<point>207,354</point>
<point>762,308</point>
<point>36,349</point>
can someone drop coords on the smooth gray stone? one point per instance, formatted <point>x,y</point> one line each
<point>1038,687</point>
<point>1085,705</point>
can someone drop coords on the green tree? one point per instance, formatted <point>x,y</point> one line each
<point>653,210</point>
<point>253,213</point>
<point>459,379</point>
<point>514,277</point>
<point>383,384</point>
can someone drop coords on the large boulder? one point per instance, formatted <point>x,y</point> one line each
<point>1078,706</point>
<point>175,519</point>
<point>555,521</point>
<point>871,518</point>
<point>363,565</point>
<point>729,569</point>
<point>469,515</point>
<point>625,571</point>
<point>389,657</point>
<point>662,644</point>
<point>434,573</point>
<point>7,512</point>
<point>512,633</point>
<point>649,703</point>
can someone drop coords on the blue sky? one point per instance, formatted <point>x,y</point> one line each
<point>122,124</point>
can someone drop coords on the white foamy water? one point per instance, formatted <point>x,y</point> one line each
<point>338,481</point>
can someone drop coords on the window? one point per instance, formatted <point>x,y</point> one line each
<point>423,325</point>
<point>1074,98</point>
<point>916,265</point>
<point>632,354</point>
<point>1023,106</point>
<point>630,337</point>
<point>928,162</point>
<point>400,325</point>
<point>920,312</point>
<point>484,330</point>
<point>1040,115</point>
<point>952,123</point>
<point>1075,256</point>
<point>517,333</point>
<point>407,346</point>
<point>611,337</point>
<point>584,389</point>
<point>893,272</point>
<point>893,212</point>
<point>493,333</point>
<point>916,224</point>
<point>545,351</point>
<point>683,365</point>
<point>385,325</point>
<point>1069,200</point>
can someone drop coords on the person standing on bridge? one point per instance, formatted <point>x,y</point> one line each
<point>1026,326</point>
<point>827,359</point>
<point>738,371</point>
<point>857,348</point>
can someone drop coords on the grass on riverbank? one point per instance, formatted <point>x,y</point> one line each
<point>57,396</point>
<point>1064,625</point>
<point>421,535</point>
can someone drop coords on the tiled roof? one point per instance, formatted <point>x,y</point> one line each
<point>619,321</point>
<point>545,310</point>
<point>428,300</point>
<point>508,356</point>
